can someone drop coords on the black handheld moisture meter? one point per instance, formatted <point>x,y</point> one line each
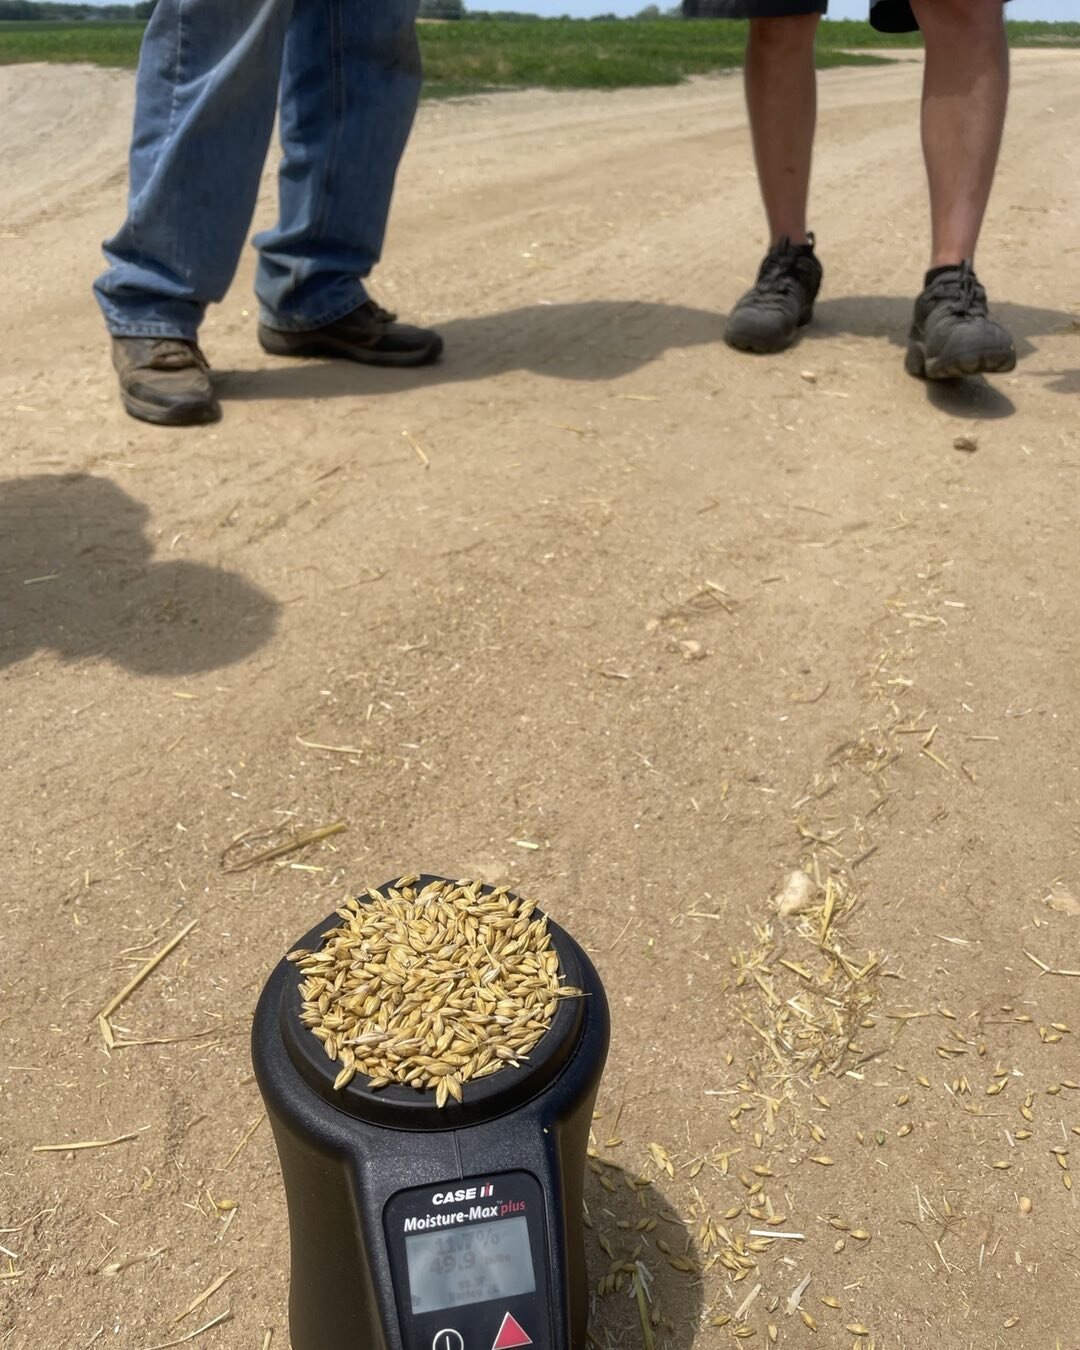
<point>417,1227</point>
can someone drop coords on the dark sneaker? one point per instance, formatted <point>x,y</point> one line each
<point>952,333</point>
<point>782,301</point>
<point>369,334</point>
<point>165,381</point>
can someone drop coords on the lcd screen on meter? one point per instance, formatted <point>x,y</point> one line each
<point>469,1265</point>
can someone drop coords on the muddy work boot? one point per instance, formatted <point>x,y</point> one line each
<point>767,318</point>
<point>369,334</point>
<point>952,333</point>
<point>165,381</point>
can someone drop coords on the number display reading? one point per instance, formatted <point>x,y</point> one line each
<point>469,1265</point>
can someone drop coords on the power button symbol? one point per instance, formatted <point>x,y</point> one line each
<point>448,1339</point>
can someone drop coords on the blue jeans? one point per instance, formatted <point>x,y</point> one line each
<point>210,74</point>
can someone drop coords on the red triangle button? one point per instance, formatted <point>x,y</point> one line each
<point>511,1334</point>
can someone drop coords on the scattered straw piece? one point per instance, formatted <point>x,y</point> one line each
<point>89,1143</point>
<point>116,1267</point>
<point>133,984</point>
<point>334,749</point>
<point>796,1295</point>
<point>280,850</point>
<point>418,448</point>
<point>640,1291</point>
<point>747,1303</point>
<point>240,1146</point>
<point>1050,970</point>
<point>183,1340</point>
<point>206,1293</point>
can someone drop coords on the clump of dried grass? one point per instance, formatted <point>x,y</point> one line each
<point>802,993</point>
<point>431,988</point>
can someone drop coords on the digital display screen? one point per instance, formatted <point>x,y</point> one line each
<point>469,1265</point>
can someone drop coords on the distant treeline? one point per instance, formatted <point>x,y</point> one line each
<point>455,9</point>
<point>44,11</point>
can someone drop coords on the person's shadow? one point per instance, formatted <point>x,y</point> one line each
<point>604,339</point>
<point>889,317</point>
<point>78,577</point>
<point>625,1218</point>
<point>594,340</point>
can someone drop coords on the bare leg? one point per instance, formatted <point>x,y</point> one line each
<point>965,89</point>
<point>781,98</point>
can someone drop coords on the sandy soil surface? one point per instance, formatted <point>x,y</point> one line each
<point>607,610</point>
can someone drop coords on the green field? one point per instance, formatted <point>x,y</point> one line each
<point>471,56</point>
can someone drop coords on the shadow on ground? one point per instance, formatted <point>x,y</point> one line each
<point>599,340</point>
<point>889,316</point>
<point>605,339</point>
<point>618,1213</point>
<point>1063,381</point>
<point>78,577</point>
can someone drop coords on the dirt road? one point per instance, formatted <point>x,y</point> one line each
<point>605,609</point>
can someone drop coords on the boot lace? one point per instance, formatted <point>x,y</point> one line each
<point>778,281</point>
<point>961,293</point>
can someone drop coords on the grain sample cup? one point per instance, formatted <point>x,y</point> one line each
<point>429,1057</point>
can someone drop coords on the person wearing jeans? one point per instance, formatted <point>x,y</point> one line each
<point>345,76</point>
<point>965,85</point>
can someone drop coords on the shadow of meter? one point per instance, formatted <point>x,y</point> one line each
<point>420,1227</point>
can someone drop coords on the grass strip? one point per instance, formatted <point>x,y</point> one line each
<point>476,56</point>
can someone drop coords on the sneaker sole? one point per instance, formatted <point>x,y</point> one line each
<point>956,366</point>
<point>286,344</point>
<point>183,415</point>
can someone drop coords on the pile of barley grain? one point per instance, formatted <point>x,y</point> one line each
<point>431,988</point>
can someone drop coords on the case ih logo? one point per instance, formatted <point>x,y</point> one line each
<point>467,1193</point>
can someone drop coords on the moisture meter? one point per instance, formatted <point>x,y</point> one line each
<point>418,1227</point>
